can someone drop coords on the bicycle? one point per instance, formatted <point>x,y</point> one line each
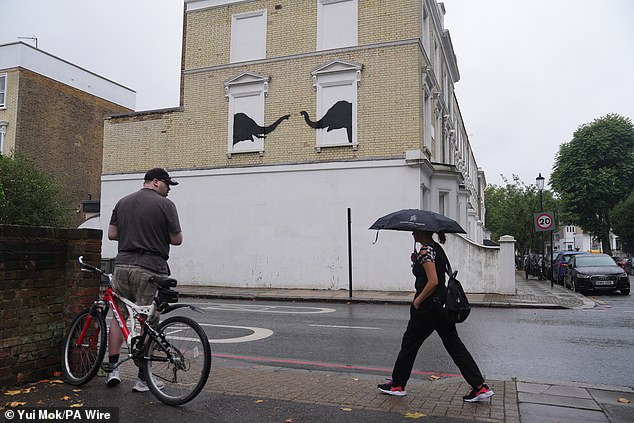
<point>176,354</point>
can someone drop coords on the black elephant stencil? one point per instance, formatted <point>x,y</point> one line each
<point>337,117</point>
<point>245,128</point>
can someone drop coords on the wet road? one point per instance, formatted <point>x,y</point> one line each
<point>588,346</point>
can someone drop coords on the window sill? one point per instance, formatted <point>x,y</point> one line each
<point>354,146</point>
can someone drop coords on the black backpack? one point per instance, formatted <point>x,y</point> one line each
<point>456,308</point>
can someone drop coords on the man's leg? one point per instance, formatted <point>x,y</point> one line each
<point>144,292</point>
<point>120,284</point>
<point>115,338</point>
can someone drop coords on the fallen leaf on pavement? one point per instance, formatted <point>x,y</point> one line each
<point>434,377</point>
<point>288,421</point>
<point>14,392</point>
<point>51,381</point>
<point>57,374</point>
<point>65,398</point>
<point>346,409</point>
<point>623,400</point>
<point>81,404</point>
<point>16,404</point>
<point>414,415</point>
<point>259,401</point>
<point>76,390</point>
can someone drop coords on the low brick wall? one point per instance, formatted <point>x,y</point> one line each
<point>41,289</point>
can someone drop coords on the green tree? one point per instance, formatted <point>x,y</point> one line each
<point>27,197</point>
<point>510,210</point>
<point>622,218</point>
<point>591,170</point>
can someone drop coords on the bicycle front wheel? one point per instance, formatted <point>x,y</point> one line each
<point>178,371</point>
<point>84,348</point>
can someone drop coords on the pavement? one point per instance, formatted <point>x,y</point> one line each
<point>247,392</point>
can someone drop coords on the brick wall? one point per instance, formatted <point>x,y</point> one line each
<point>58,125</point>
<point>41,289</point>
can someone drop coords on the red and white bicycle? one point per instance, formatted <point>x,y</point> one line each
<point>175,356</point>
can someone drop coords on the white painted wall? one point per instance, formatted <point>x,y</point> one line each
<point>286,227</point>
<point>19,54</point>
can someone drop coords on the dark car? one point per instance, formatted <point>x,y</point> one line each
<point>596,272</point>
<point>560,265</point>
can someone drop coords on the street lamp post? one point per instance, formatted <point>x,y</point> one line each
<point>539,181</point>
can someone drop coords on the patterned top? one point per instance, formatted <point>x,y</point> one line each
<point>431,252</point>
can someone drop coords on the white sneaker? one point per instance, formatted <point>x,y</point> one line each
<point>141,386</point>
<point>113,378</point>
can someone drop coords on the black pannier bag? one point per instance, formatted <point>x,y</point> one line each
<point>168,295</point>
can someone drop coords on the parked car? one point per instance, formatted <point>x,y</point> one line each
<point>625,263</point>
<point>596,272</point>
<point>560,265</point>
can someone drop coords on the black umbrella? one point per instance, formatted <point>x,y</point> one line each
<point>415,219</point>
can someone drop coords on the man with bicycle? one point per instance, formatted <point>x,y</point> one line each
<point>145,224</point>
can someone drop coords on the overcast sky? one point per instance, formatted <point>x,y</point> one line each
<point>531,71</point>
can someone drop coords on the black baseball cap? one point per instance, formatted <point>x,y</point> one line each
<point>160,174</point>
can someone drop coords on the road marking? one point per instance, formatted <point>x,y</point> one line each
<point>257,308</point>
<point>344,327</point>
<point>258,334</point>
<point>327,365</point>
<point>598,301</point>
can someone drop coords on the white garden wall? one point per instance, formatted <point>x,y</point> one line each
<point>286,227</point>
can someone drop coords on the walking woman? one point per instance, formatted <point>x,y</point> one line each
<point>428,265</point>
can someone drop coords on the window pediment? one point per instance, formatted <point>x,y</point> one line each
<point>246,78</point>
<point>337,66</point>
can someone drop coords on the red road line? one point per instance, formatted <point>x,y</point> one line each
<point>327,365</point>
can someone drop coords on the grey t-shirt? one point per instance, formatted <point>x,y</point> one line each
<point>144,220</point>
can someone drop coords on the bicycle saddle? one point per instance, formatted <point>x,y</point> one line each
<point>164,281</point>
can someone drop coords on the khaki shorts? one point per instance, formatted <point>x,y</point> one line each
<point>133,283</point>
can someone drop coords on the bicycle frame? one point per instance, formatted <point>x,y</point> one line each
<point>134,312</point>
<point>135,315</point>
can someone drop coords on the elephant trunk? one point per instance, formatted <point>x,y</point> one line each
<point>314,125</point>
<point>271,127</point>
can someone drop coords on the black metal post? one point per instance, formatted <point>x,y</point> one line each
<point>552,280</point>
<point>539,182</point>
<point>349,253</point>
<point>541,209</point>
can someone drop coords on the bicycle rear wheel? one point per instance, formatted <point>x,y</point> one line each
<point>81,360</point>
<point>177,375</point>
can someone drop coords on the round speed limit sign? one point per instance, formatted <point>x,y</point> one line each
<point>544,221</point>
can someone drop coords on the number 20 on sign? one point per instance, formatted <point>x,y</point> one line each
<point>544,221</point>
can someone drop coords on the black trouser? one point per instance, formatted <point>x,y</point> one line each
<point>421,324</point>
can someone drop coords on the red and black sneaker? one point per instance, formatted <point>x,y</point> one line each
<point>391,389</point>
<point>478,394</point>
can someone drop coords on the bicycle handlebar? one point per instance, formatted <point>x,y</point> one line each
<point>88,267</point>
